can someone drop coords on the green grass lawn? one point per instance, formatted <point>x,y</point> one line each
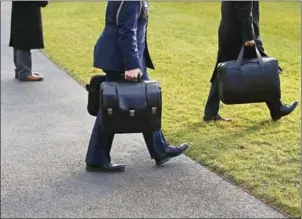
<point>261,156</point>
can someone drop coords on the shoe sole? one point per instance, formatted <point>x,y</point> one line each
<point>88,169</point>
<point>26,80</point>
<point>159,163</point>
<point>279,117</point>
<point>217,120</point>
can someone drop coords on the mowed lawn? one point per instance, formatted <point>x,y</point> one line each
<point>261,156</point>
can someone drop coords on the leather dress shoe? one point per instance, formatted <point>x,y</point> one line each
<point>31,77</point>
<point>106,168</point>
<point>285,110</point>
<point>215,118</point>
<point>172,152</point>
<point>34,73</point>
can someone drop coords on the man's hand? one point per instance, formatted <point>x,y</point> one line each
<point>249,43</point>
<point>133,74</point>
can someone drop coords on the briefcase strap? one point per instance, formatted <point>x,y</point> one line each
<point>259,57</point>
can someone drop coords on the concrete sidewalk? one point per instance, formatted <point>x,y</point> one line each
<point>45,130</point>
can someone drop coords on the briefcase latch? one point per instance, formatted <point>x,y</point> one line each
<point>153,110</point>
<point>132,112</point>
<point>109,110</point>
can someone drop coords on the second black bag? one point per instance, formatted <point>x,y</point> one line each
<point>130,107</point>
<point>249,80</point>
<point>93,87</point>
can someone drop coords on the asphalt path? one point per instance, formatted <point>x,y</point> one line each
<point>45,131</point>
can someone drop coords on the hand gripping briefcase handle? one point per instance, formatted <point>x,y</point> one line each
<point>139,79</point>
<point>259,57</point>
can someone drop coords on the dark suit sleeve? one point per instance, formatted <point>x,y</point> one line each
<point>127,18</point>
<point>244,15</point>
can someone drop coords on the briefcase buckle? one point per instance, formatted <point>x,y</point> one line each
<point>153,110</point>
<point>109,110</point>
<point>132,112</point>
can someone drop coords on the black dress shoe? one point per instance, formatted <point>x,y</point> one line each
<point>285,110</point>
<point>172,152</point>
<point>215,118</point>
<point>106,168</point>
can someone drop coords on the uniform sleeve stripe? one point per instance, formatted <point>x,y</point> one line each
<point>120,8</point>
<point>118,12</point>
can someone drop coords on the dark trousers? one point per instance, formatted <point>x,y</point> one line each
<point>212,105</point>
<point>23,63</point>
<point>100,144</point>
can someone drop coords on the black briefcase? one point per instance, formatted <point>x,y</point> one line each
<point>249,80</point>
<point>93,88</point>
<point>130,107</point>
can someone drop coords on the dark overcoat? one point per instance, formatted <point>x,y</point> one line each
<point>239,23</point>
<point>122,44</point>
<point>26,25</point>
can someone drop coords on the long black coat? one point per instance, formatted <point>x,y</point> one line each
<point>239,23</point>
<point>26,25</point>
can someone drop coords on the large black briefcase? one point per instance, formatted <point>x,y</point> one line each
<point>93,103</point>
<point>249,80</point>
<point>130,107</point>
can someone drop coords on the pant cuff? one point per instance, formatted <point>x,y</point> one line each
<point>23,75</point>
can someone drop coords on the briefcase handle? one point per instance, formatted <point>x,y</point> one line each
<point>139,79</point>
<point>259,57</point>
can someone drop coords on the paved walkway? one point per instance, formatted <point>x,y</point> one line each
<point>44,135</point>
